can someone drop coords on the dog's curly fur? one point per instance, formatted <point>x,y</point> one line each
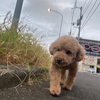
<point>67,52</point>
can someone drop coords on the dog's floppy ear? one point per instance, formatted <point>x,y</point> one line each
<point>80,54</point>
<point>51,49</point>
<point>54,47</point>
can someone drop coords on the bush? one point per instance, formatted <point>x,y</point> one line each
<point>21,48</point>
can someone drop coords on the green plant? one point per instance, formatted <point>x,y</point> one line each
<point>21,48</point>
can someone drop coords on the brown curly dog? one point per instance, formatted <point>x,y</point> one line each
<point>67,52</point>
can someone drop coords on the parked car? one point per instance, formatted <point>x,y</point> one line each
<point>91,70</point>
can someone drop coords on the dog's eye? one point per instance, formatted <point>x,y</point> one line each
<point>68,52</point>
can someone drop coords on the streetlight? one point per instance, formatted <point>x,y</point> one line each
<point>49,10</point>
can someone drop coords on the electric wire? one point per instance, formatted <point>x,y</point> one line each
<point>88,5</point>
<point>84,3</point>
<point>89,12</point>
<point>85,9</point>
<point>79,14</point>
<point>91,16</point>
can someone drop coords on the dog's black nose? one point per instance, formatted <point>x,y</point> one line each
<point>59,61</point>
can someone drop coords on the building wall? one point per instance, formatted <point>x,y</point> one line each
<point>85,65</point>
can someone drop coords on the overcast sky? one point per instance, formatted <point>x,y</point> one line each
<point>35,14</point>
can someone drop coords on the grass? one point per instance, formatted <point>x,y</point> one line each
<point>21,48</point>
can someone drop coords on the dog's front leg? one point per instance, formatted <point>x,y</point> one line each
<point>71,77</point>
<point>55,76</point>
<point>63,76</point>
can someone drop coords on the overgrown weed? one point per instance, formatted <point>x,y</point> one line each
<point>21,48</point>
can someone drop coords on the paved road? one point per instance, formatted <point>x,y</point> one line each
<point>87,87</point>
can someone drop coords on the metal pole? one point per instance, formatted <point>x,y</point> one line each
<point>61,26</point>
<point>81,16</point>
<point>75,6</point>
<point>16,16</point>
<point>61,20</point>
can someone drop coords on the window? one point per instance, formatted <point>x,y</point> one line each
<point>98,61</point>
<point>91,66</point>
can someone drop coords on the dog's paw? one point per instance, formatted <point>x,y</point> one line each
<point>55,91</point>
<point>67,87</point>
<point>62,82</point>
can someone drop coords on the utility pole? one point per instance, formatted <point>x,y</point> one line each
<point>73,16</point>
<point>16,16</point>
<point>79,23</point>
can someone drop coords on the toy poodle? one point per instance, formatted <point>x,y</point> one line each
<point>66,52</point>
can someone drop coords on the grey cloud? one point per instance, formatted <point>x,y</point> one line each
<point>36,15</point>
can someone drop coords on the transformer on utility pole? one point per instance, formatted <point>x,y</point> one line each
<point>78,23</point>
<point>16,16</point>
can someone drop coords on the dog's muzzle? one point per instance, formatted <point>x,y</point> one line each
<point>58,61</point>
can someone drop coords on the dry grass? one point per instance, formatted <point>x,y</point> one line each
<point>21,48</point>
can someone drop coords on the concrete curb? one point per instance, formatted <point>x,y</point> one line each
<point>8,77</point>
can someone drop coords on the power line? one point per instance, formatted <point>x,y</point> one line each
<point>82,7</point>
<point>88,5</point>
<point>84,3</point>
<point>89,12</point>
<point>91,15</point>
<point>79,20</point>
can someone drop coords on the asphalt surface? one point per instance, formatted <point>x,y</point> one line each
<point>87,87</point>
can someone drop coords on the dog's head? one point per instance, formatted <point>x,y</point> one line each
<point>66,50</point>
